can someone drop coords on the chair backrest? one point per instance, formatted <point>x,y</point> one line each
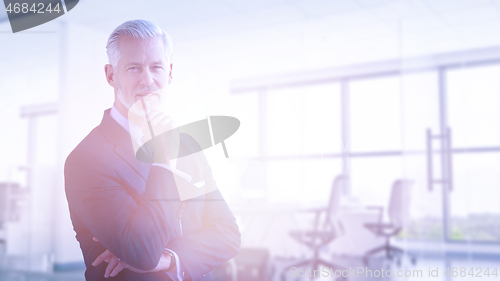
<point>399,203</point>
<point>338,188</point>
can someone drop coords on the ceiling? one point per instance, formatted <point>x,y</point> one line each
<point>229,16</point>
<point>332,31</point>
<point>224,17</point>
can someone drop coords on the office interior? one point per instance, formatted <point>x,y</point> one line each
<point>385,114</point>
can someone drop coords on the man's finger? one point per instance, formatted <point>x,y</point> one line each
<point>153,114</point>
<point>95,239</point>
<point>163,125</point>
<point>118,268</point>
<point>111,265</point>
<point>162,120</point>
<point>106,254</point>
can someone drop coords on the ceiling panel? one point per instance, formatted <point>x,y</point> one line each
<point>471,16</point>
<point>245,7</point>
<point>426,23</point>
<point>452,5</point>
<point>321,8</point>
<point>399,10</point>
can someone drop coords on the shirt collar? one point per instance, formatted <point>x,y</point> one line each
<point>137,135</point>
<point>134,130</point>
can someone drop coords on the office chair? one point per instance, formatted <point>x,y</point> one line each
<point>324,231</point>
<point>398,211</point>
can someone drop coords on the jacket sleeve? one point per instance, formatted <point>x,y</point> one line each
<point>217,242</point>
<point>134,231</point>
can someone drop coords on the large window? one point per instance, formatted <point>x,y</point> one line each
<point>474,117</point>
<point>377,128</point>
<point>304,121</point>
<point>303,128</point>
<point>246,142</point>
<point>375,112</point>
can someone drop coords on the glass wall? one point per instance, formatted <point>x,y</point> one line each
<point>391,122</point>
<point>303,131</point>
<point>419,113</point>
<point>473,96</point>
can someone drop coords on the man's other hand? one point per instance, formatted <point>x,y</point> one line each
<point>115,265</point>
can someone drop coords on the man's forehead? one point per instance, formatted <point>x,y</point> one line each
<point>132,40</point>
<point>139,47</point>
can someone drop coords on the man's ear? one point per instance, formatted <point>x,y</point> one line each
<point>170,74</point>
<point>110,75</point>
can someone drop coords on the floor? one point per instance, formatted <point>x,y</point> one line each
<point>425,268</point>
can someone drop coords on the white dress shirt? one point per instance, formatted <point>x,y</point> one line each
<point>137,135</point>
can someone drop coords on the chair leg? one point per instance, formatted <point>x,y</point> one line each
<point>395,252</point>
<point>329,265</point>
<point>396,249</point>
<point>372,252</point>
<point>301,263</point>
<point>333,266</point>
<point>314,262</point>
<point>298,264</point>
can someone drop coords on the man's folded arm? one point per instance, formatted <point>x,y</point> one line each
<point>217,242</point>
<point>136,232</point>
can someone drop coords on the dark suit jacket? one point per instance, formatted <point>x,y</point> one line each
<point>133,208</point>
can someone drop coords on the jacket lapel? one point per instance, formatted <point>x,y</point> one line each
<point>117,135</point>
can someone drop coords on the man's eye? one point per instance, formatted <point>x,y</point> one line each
<point>159,67</point>
<point>133,68</point>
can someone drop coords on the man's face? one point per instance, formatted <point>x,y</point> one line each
<point>142,72</point>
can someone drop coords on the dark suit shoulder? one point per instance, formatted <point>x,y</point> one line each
<point>94,144</point>
<point>90,156</point>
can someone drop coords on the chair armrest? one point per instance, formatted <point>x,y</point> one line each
<point>318,212</point>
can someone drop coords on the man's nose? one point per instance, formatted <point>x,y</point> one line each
<point>146,77</point>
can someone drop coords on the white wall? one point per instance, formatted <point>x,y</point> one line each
<point>84,95</point>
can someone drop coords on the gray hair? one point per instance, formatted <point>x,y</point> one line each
<point>136,29</point>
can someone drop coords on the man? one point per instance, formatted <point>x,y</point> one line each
<point>127,214</point>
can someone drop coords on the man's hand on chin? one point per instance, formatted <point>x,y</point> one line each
<point>115,265</point>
